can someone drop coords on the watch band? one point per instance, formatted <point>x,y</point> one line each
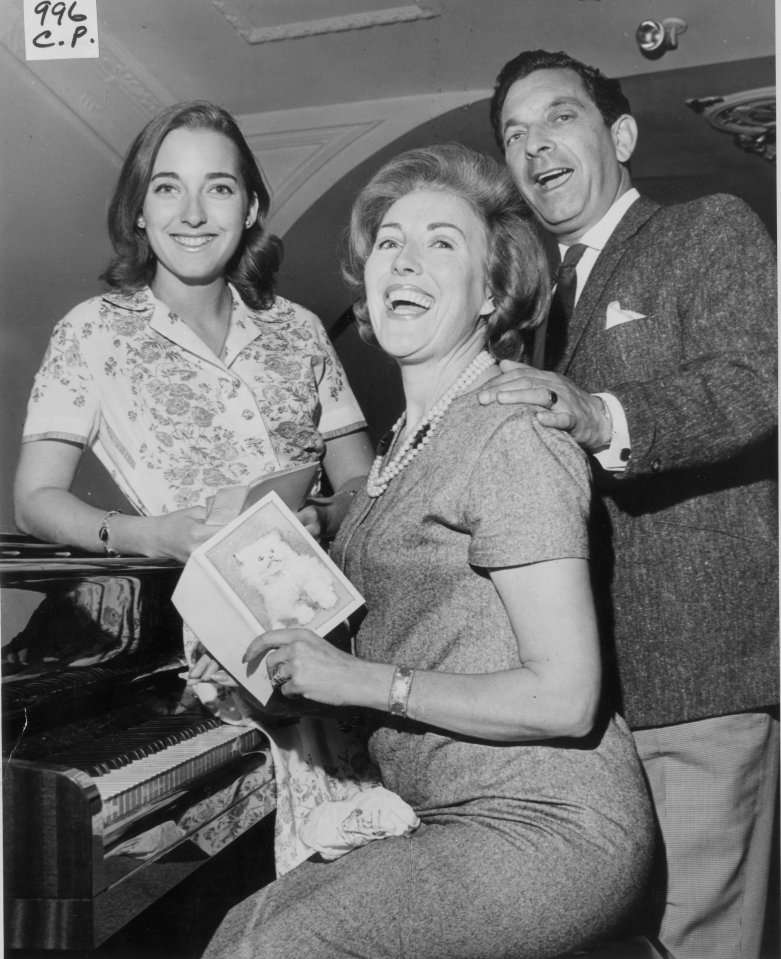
<point>104,533</point>
<point>399,691</point>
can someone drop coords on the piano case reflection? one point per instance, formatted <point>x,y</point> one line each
<point>117,784</point>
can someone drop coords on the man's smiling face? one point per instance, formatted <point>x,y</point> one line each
<point>565,160</point>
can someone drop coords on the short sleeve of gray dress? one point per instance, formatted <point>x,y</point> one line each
<point>532,481</point>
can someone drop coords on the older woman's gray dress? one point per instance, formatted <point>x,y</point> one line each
<point>524,850</point>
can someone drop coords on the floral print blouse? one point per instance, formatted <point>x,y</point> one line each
<point>171,422</point>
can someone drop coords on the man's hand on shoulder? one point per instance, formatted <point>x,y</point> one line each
<point>565,406</point>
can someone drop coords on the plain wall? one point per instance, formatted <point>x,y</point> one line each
<point>55,185</point>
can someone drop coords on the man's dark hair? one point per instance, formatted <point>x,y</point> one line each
<point>607,95</point>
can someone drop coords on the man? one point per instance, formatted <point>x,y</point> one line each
<point>666,374</point>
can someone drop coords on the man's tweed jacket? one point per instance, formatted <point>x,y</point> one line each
<point>685,540</point>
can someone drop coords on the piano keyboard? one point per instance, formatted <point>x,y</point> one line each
<point>135,767</point>
<point>148,779</point>
<point>123,743</point>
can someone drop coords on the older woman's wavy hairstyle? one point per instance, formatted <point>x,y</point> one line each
<point>516,270</point>
<point>253,266</point>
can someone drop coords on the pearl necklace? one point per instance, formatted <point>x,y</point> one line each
<point>379,478</point>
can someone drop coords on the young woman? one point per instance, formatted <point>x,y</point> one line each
<point>189,374</point>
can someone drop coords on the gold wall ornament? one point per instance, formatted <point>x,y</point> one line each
<point>749,117</point>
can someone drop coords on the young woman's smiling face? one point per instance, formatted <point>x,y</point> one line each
<point>425,277</point>
<point>196,206</point>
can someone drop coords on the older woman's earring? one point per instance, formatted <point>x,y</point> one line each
<point>141,223</point>
<point>249,221</point>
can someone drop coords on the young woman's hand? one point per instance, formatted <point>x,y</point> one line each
<point>322,516</point>
<point>312,519</point>
<point>170,536</point>
<point>206,669</point>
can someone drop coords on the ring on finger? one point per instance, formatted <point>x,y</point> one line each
<point>553,397</point>
<point>277,679</point>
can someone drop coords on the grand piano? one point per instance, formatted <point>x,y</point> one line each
<point>117,783</point>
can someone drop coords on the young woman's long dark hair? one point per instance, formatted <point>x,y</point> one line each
<point>254,265</point>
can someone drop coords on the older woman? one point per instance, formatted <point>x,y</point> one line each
<point>478,656</point>
<point>189,374</point>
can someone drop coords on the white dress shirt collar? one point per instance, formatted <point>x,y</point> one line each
<point>600,233</point>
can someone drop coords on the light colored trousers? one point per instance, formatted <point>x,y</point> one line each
<point>714,784</point>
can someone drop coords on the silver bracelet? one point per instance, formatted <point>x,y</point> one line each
<point>399,691</point>
<point>104,532</point>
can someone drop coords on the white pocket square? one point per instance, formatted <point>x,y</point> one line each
<point>616,315</point>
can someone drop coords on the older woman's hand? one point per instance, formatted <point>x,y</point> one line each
<point>206,670</point>
<point>304,664</point>
<point>565,406</point>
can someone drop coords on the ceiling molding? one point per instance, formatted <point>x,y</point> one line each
<point>12,28</point>
<point>290,159</point>
<point>111,94</point>
<point>57,105</point>
<point>303,153</point>
<point>358,20</point>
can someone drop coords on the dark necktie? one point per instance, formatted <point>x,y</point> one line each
<point>561,307</point>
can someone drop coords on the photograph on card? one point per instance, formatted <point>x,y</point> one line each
<point>279,572</point>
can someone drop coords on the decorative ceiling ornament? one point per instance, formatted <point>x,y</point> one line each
<point>655,37</point>
<point>363,14</point>
<point>749,117</point>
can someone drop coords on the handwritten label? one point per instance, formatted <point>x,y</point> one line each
<point>60,30</point>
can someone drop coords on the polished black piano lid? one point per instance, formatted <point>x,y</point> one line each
<point>25,560</point>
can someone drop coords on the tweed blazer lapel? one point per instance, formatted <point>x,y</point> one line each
<point>607,263</point>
